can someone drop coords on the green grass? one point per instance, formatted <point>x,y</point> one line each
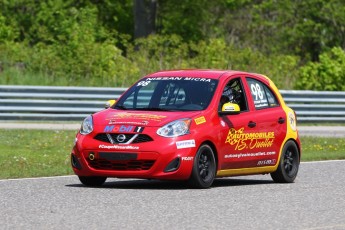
<point>316,148</point>
<point>36,153</point>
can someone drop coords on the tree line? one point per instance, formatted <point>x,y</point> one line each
<point>299,44</point>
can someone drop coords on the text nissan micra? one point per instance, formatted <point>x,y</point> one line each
<point>191,125</point>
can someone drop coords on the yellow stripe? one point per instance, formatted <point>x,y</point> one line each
<point>246,171</point>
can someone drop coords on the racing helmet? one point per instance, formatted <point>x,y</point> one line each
<point>233,95</point>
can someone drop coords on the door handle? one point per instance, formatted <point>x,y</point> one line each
<point>281,120</point>
<point>251,124</point>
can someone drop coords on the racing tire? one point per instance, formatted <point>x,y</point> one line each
<point>92,181</point>
<point>204,168</point>
<point>288,165</point>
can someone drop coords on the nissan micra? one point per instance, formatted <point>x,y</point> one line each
<point>191,125</point>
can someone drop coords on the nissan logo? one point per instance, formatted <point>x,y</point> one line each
<point>121,138</point>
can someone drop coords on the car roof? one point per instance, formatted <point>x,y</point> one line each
<point>201,73</point>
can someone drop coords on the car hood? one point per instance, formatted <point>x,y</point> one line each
<point>143,118</point>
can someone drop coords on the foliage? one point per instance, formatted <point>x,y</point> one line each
<point>170,52</point>
<point>327,74</point>
<point>90,42</point>
<point>7,33</point>
<point>158,52</point>
<point>66,42</point>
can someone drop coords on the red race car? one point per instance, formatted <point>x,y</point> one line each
<point>191,125</point>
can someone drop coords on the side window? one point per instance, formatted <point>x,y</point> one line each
<point>261,94</point>
<point>233,92</point>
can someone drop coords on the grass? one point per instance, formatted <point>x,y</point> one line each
<point>36,153</point>
<point>316,148</point>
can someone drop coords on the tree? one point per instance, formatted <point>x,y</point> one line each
<point>327,74</point>
<point>144,17</point>
<point>305,28</point>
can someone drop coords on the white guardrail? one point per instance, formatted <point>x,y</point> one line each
<point>74,103</point>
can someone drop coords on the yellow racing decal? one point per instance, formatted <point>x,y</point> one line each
<point>292,120</point>
<point>242,140</point>
<point>141,116</point>
<point>245,171</point>
<point>200,120</point>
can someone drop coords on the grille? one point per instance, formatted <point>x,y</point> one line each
<point>140,138</point>
<point>130,165</point>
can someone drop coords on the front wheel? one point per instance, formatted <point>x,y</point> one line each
<point>288,165</point>
<point>204,168</point>
<point>92,181</point>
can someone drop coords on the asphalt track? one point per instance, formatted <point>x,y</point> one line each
<point>315,201</point>
<point>321,131</point>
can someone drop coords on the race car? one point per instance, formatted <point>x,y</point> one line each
<point>190,125</point>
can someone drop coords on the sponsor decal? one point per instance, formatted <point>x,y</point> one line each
<point>243,155</point>
<point>123,129</point>
<point>114,122</point>
<point>163,78</point>
<point>242,140</point>
<point>197,79</point>
<point>185,144</point>
<point>292,121</point>
<point>122,147</point>
<point>137,116</point>
<point>267,162</point>
<point>200,120</point>
<point>187,158</point>
<point>149,79</point>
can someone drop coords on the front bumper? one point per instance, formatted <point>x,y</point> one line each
<point>160,159</point>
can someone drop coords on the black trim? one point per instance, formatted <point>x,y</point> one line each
<point>117,156</point>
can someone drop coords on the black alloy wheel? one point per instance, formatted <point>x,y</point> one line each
<point>204,168</point>
<point>288,165</point>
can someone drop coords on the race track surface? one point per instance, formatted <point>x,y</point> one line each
<point>315,201</point>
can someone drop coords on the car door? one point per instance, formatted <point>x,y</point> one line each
<point>236,129</point>
<point>270,120</point>
<point>253,137</point>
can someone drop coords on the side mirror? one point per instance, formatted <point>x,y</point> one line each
<point>229,109</point>
<point>109,103</point>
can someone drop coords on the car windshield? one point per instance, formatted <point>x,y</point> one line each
<point>168,94</point>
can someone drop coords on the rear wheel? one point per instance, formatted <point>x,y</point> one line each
<point>204,168</point>
<point>288,165</point>
<point>92,180</point>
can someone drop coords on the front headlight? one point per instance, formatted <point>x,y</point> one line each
<point>86,126</point>
<point>175,128</point>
